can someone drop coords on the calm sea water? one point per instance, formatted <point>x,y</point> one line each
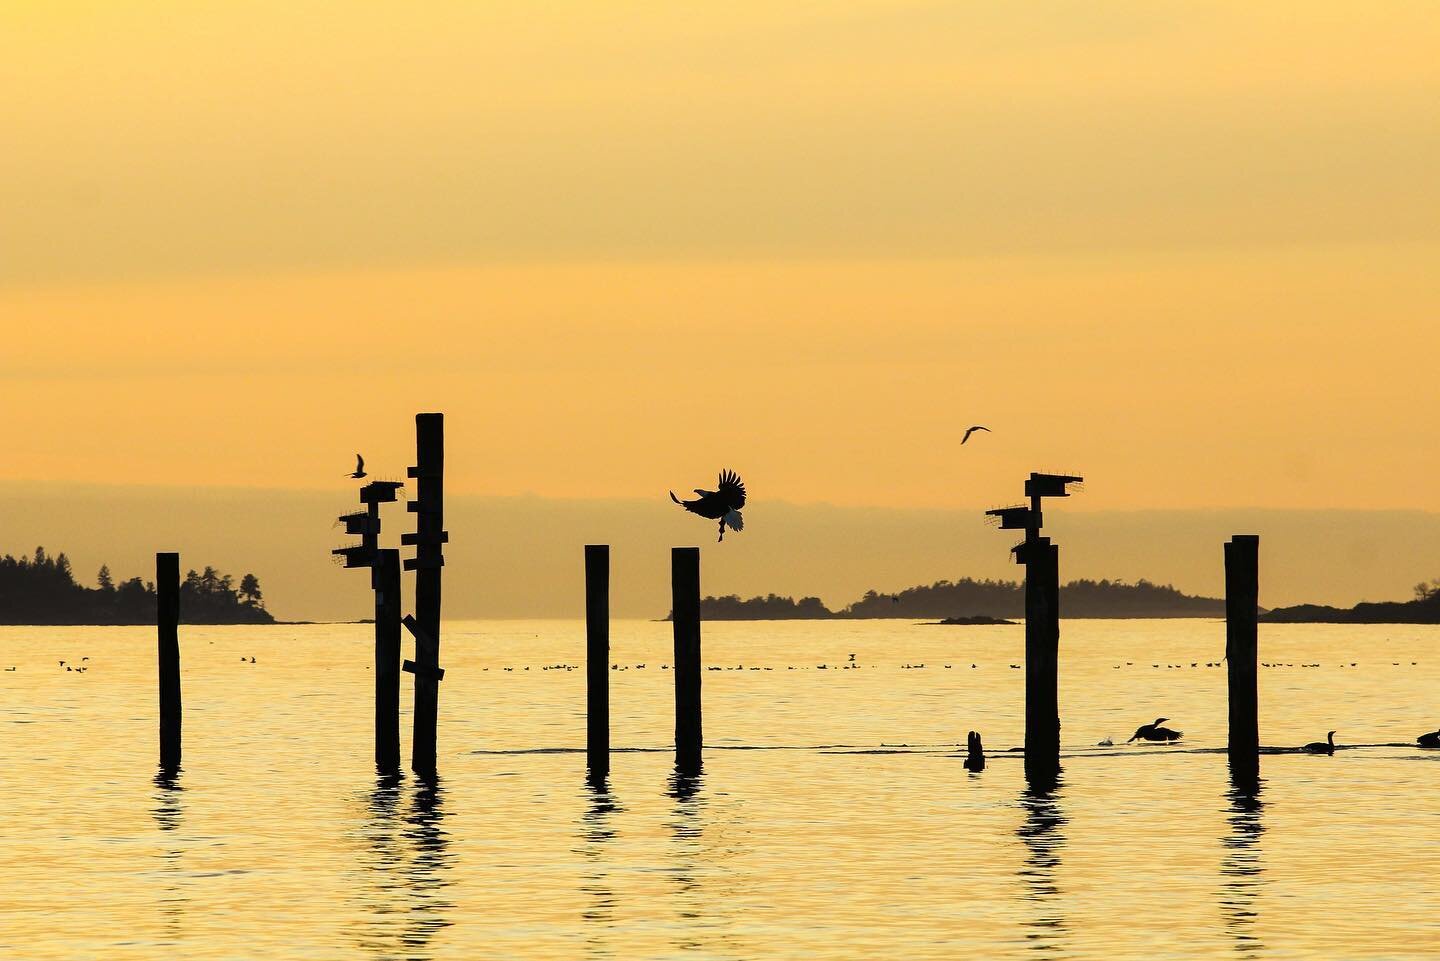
<point>833,819</point>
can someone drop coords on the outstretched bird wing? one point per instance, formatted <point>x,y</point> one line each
<point>732,489</point>
<point>973,430</point>
<point>359,463</point>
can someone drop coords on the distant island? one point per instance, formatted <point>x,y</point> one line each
<point>42,590</point>
<point>969,598</point>
<point>979,620</point>
<point>1424,609</point>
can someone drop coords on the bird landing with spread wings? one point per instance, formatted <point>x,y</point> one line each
<point>722,504</point>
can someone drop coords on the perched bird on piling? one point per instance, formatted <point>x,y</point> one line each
<point>975,758</point>
<point>1154,732</point>
<point>1425,740</point>
<point>972,430</point>
<point>722,504</point>
<point>359,471</point>
<point>1326,746</point>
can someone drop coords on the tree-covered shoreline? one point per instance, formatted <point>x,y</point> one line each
<point>41,589</point>
<point>968,597</point>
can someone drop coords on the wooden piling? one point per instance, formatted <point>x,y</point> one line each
<point>428,506</point>
<point>1042,657</point>
<point>167,597</point>
<point>1242,596</point>
<point>685,607</point>
<point>597,659</point>
<point>387,660</point>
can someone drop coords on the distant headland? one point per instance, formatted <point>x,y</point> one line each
<point>1424,609</point>
<point>968,598</point>
<point>42,590</point>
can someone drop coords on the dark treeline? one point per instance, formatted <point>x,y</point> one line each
<point>42,590</point>
<point>972,598</point>
<point>1424,609</point>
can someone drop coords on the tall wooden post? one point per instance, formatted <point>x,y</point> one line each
<point>428,506</point>
<point>1042,625</point>
<point>685,608</point>
<point>597,659</point>
<point>1242,595</point>
<point>387,660</point>
<point>1042,657</point>
<point>167,597</point>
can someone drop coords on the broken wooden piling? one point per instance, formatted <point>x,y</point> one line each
<point>1242,595</point>
<point>428,538</point>
<point>597,660</point>
<point>685,608</point>
<point>167,620</point>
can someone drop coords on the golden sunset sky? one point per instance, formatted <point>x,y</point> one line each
<point>1186,249</point>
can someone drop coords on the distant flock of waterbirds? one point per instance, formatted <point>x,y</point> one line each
<point>1154,732</point>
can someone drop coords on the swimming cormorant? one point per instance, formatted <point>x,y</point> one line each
<point>1326,746</point>
<point>1429,740</point>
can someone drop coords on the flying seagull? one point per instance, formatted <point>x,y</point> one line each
<point>722,504</point>
<point>359,468</point>
<point>972,430</point>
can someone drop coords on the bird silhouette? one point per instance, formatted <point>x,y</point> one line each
<point>1326,746</point>
<point>972,430</point>
<point>1425,740</point>
<point>359,471</point>
<point>722,504</point>
<point>1154,732</point>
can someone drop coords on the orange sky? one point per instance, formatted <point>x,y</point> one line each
<point>1185,249</point>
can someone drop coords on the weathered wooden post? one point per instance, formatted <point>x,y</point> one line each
<point>685,608</point>
<point>1242,596</point>
<point>1042,659</point>
<point>167,604</point>
<point>597,659</point>
<point>366,523</point>
<point>428,538</point>
<point>387,660</point>
<point>1042,625</point>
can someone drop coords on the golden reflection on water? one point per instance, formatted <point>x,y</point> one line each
<point>1241,869</point>
<point>1044,838</point>
<point>833,820</point>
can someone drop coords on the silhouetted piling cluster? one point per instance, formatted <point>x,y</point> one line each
<point>1037,553</point>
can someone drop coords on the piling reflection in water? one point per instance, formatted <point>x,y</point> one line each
<point>169,814</point>
<point>1241,869</point>
<point>1043,839</point>
<point>596,830</point>
<point>686,833</point>
<point>407,859</point>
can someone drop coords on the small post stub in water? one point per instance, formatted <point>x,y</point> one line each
<point>597,660</point>
<point>1242,596</point>
<point>685,607</point>
<point>167,600</point>
<point>975,753</point>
